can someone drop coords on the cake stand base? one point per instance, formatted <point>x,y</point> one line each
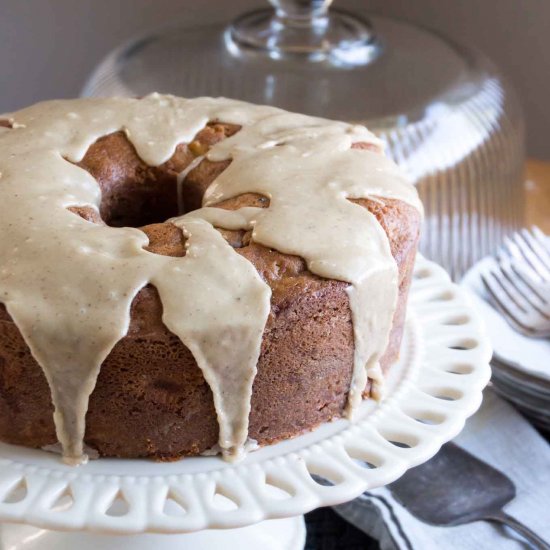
<point>275,534</point>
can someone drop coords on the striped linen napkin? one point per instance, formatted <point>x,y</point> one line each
<point>501,437</point>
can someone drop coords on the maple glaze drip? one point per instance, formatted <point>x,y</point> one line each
<point>68,284</point>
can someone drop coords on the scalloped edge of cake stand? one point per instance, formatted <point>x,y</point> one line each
<point>432,390</point>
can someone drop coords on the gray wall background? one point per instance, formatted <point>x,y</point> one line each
<point>48,47</point>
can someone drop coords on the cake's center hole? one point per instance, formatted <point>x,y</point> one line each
<point>148,202</point>
<point>134,194</point>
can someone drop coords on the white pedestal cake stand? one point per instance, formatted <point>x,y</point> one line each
<point>203,503</point>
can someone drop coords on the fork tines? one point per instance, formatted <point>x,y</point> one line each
<point>532,248</point>
<point>518,283</point>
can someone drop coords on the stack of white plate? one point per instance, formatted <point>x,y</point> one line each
<point>521,365</point>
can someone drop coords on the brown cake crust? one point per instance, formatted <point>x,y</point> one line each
<point>151,399</point>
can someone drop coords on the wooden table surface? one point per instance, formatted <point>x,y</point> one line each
<point>537,191</point>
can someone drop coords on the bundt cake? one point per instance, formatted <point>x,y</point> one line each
<point>185,275</point>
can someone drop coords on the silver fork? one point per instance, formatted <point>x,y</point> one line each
<point>518,283</point>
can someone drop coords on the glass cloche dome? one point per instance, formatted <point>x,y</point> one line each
<point>446,114</point>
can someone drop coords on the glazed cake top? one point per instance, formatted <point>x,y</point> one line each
<point>68,284</point>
